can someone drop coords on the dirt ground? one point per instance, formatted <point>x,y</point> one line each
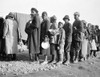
<point>25,68</point>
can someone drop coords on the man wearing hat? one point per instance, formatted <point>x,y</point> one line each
<point>68,32</point>
<point>77,36</point>
<point>33,31</point>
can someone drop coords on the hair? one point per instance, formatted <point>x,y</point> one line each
<point>60,23</point>
<point>44,13</point>
<point>34,10</point>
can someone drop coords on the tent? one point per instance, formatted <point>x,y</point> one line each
<point>22,19</point>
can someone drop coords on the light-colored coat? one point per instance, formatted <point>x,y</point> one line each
<point>11,36</point>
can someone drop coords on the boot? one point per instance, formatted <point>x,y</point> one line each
<point>13,56</point>
<point>53,61</point>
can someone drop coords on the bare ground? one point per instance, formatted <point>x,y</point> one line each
<point>25,68</point>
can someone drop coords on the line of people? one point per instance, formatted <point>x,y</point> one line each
<point>68,43</point>
<point>65,42</point>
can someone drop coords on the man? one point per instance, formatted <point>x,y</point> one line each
<point>68,32</point>
<point>77,36</point>
<point>45,25</point>
<point>33,31</point>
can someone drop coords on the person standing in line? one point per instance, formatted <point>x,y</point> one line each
<point>53,39</point>
<point>77,36</point>
<point>33,31</point>
<point>61,43</point>
<point>97,37</point>
<point>2,53</point>
<point>44,36</point>
<point>68,31</point>
<point>11,33</point>
<point>84,51</point>
<point>93,42</point>
<point>89,31</point>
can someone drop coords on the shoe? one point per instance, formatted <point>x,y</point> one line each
<point>76,61</point>
<point>44,63</point>
<point>53,62</point>
<point>60,62</point>
<point>67,63</point>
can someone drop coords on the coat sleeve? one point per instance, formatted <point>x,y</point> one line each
<point>27,28</point>
<point>6,25</point>
<point>48,26</point>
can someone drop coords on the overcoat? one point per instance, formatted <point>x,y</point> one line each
<point>11,36</point>
<point>33,31</point>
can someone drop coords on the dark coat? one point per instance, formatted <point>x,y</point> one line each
<point>45,25</point>
<point>33,31</point>
<point>68,32</point>
<point>77,30</point>
<point>2,44</point>
<point>98,35</point>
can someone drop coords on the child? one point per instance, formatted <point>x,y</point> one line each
<point>53,39</point>
<point>61,42</point>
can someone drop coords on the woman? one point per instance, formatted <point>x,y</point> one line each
<point>93,42</point>
<point>11,36</point>
<point>85,41</point>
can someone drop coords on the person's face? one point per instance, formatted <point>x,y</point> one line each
<point>66,20</point>
<point>76,17</point>
<point>60,25</point>
<point>44,16</point>
<point>33,13</point>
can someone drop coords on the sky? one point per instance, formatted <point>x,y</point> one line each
<point>89,9</point>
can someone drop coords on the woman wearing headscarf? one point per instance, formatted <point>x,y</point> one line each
<point>11,33</point>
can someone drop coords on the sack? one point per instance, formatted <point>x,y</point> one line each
<point>22,47</point>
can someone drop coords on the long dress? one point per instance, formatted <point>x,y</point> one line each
<point>85,44</point>
<point>11,36</point>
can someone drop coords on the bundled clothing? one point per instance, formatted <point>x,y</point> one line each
<point>53,41</point>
